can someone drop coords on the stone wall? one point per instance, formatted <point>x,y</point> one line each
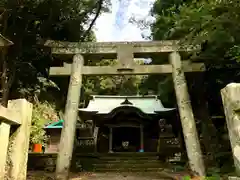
<point>47,162</point>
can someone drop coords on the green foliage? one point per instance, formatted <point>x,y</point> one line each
<point>29,23</point>
<point>43,114</point>
<point>111,85</point>
<point>32,22</point>
<point>212,24</point>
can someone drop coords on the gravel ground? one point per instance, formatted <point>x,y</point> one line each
<point>108,176</point>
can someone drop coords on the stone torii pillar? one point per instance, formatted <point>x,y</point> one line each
<point>70,119</point>
<point>231,102</point>
<point>186,115</point>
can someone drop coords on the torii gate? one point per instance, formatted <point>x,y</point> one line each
<point>125,52</point>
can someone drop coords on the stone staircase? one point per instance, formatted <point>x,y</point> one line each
<point>98,162</point>
<point>128,162</point>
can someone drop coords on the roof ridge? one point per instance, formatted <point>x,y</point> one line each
<point>123,96</point>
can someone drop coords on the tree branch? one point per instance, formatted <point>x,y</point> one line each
<point>100,2</point>
<point>2,14</point>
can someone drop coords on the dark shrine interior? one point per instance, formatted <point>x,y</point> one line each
<point>126,134</point>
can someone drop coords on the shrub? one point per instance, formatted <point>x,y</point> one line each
<point>43,114</point>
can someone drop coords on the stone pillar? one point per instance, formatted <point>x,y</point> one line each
<point>19,141</point>
<point>4,139</point>
<point>141,139</point>
<point>70,119</point>
<point>186,115</point>
<point>110,140</point>
<point>231,103</point>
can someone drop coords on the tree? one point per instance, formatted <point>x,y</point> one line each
<point>24,68</point>
<point>28,23</point>
<point>212,24</point>
<point>111,85</point>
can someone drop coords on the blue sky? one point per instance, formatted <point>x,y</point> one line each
<point>115,26</point>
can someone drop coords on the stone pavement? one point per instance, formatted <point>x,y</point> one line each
<point>108,176</point>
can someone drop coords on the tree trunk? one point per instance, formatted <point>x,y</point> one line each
<point>187,118</point>
<point>4,65</point>
<point>208,130</point>
<point>8,76</point>
<point>70,119</point>
<point>5,87</point>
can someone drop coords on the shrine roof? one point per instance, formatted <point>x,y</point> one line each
<point>101,104</point>
<point>55,125</point>
<point>58,125</point>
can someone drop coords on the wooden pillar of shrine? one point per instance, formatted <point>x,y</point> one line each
<point>186,115</point>
<point>141,139</point>
<point>70,118</point>
<point>110,139</point>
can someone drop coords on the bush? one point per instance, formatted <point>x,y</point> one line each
<point>43,114</point>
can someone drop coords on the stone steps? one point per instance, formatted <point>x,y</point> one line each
<point>129,161</point>
<point>128,169</point>
<point>129,165</point>
<point>128,158</point>
<point>119,162</point>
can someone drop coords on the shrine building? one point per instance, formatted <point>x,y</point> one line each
<point>117,124</point>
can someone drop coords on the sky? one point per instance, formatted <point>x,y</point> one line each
<point>115,25</point>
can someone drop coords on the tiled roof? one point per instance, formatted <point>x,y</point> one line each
<point>106,104</point>
<point>55,125</point>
